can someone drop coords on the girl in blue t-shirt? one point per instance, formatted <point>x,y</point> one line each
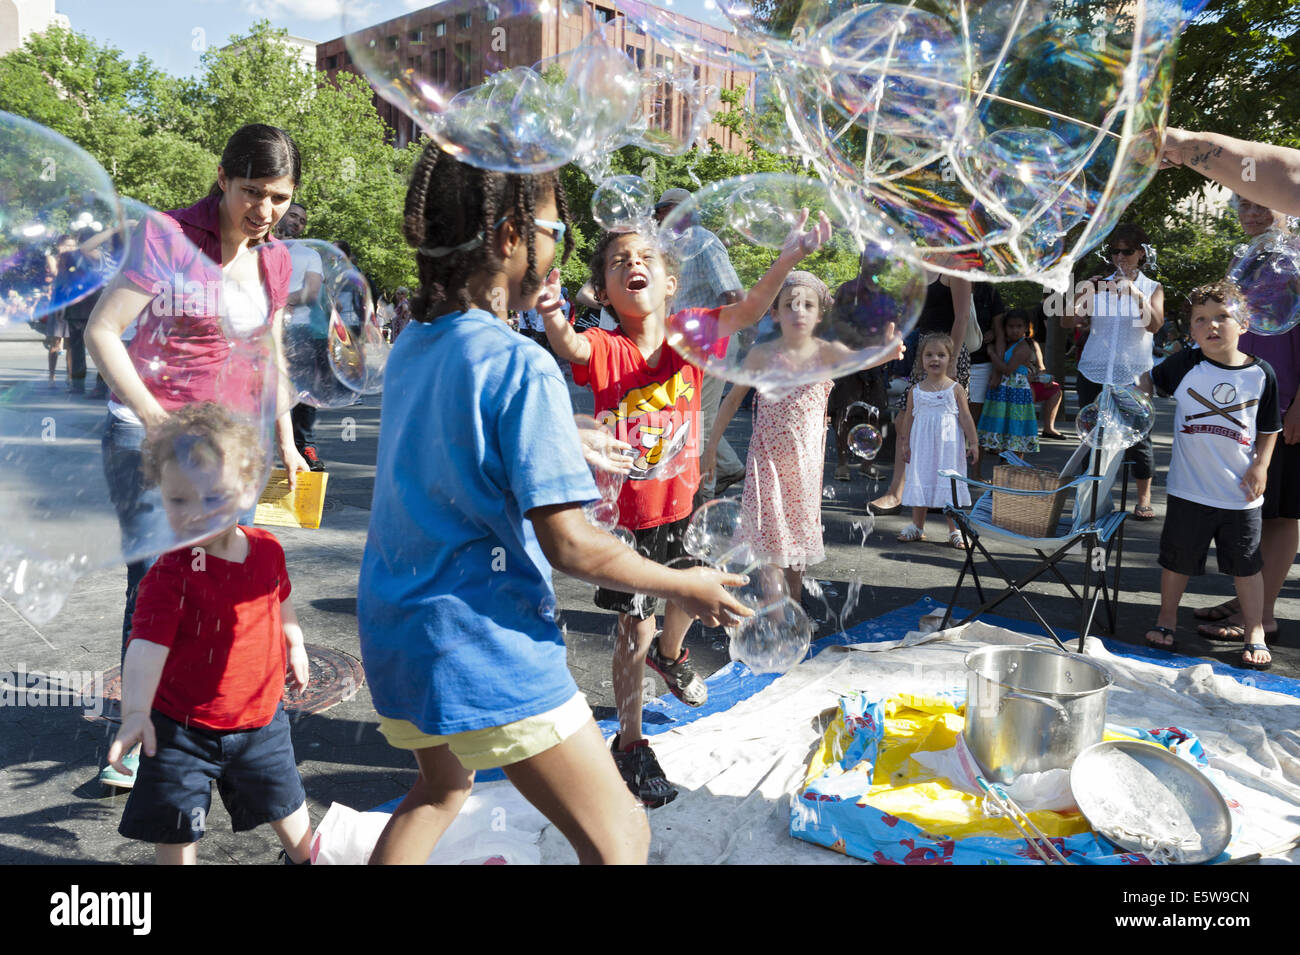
<point>479,484</point>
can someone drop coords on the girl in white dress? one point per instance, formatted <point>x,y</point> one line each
<point>932,428</point>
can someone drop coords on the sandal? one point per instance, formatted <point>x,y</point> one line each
<point>1164,632</point>
<point>1054,435</point>
<point>1255,648</point>
<point>1218,612</point>
<point>955,540</point>
<point>910,534</point>
<point>1144,512</point>
<point>1227,632</point>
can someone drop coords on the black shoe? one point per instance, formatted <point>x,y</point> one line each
<point>640,770</point>
<point>682,680</point>
<point>313,459</point>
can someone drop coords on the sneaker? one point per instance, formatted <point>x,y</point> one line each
<point>108,776</point>
<point>683,682</point>
<point>641,771</point>
<point>313,459</point>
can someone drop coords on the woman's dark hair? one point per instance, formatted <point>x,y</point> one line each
<point>258,151</point>
<point>451,215</point>
<point>1133,234</point>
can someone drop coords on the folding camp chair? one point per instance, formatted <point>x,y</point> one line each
<point>1094,530</point>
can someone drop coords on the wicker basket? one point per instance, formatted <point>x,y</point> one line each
<point>1030,515</point>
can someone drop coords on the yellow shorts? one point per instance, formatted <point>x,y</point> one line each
<point>497,745</point>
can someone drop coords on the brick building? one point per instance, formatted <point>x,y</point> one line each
<point>455,43</point>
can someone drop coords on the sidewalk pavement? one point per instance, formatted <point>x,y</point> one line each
<point>52,809</point>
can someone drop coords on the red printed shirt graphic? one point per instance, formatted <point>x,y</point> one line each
<point>656,410</point>
<point>1220,410</point>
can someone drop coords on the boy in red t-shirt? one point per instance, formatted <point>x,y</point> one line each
<point>649,395</point>
<point>209,639</point>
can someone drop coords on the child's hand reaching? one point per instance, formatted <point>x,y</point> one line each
<point>800,244</point>
<point>298,667</point>
<point>550,302</point>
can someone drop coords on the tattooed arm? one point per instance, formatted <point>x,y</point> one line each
<point>1265,174</point>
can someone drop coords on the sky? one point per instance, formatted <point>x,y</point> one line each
<point>173,33</point>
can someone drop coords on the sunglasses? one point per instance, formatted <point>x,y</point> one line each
<point>1118,251</point>
<point>557,229</point>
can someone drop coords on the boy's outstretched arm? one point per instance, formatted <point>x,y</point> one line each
<point>141,672</point>
<point>798,246</point>
<point>566,342</point>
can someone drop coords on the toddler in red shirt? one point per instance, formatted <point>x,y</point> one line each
<point>205,666</point>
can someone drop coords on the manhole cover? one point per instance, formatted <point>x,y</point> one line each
<point>335,676</point>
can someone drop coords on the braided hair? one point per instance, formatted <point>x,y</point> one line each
<point>450,217</point>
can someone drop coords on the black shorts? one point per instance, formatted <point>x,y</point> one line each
<point>1189,528</point>
<point>1282,490</point>
<point>254,770</point>
<point>662,544</point>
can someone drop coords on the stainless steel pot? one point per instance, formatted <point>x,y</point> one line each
<point>1031,709</point>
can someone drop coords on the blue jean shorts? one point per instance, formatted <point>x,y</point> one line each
<point>255,773</point>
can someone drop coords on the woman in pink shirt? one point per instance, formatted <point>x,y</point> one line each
<point>203,285</point>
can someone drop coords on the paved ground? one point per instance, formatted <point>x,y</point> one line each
<point>53,810</point>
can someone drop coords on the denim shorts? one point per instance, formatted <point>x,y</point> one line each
<point>255,773</point>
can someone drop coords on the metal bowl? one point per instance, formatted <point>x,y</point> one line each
<point>1145,799</point>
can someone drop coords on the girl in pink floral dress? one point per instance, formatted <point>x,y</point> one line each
<point>787,450</point>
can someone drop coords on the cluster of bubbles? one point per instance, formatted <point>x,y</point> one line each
<point>575,106</point>
<point>779,633</point>
<point>200,338</point>
<point>1267,271</point>
<point>1013,132</point>
<point>1119,418</point>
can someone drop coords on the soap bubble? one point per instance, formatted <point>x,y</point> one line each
<point>334,347</point>
<point>1267,272</point>
<point>56,503</point>
<point>676,109</point>
<point>51,189</point>
<point>751,216</point>
<point>714,531</point>
<point>603,514</point>
<point>623,201</point>
<point>1119,418</point>
<point>864,441</point>
<point>773,640</point>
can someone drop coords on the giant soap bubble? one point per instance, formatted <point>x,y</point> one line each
<point>1014,131</point>
<point>60,494</point>
<point>334,347</point>
<point>777,636</point>
<point>1268,274</point>
<point>1119,418</point>
<point>752,216</point>
<point>51,189</point>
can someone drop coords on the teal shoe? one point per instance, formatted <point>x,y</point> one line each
<point>108,776</point>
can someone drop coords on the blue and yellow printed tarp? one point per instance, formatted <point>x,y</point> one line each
<point>864,794</point>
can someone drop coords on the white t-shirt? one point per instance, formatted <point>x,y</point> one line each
<point>1119,346</point>
<point>305,260</point>
<point>1220,411</point>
